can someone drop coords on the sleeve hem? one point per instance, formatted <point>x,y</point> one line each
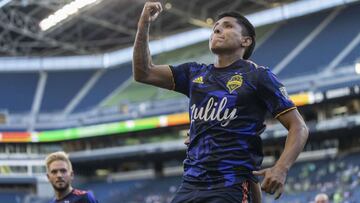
<point>172,78</point>
<point>284,111</point>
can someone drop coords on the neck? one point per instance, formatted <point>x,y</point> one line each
<point>224,60</point>
<point>61,194</point>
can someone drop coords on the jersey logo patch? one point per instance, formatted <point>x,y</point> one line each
<point>198,80</point>
<point>235,82</point>
<point>284,92</point>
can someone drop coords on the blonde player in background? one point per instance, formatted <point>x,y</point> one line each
<point>321,198</point>
<point>60,174</point>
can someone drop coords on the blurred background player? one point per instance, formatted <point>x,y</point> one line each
<point>321,198</point>
<point>228,102</point>
<point>60,175</point>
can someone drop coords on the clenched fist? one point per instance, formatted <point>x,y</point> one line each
<point>151,11</point>
<point>274,180</point>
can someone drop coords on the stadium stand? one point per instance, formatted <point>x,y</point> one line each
<point>333,38</point>
<point>276,47</point>
<point>108,82</point>
<point>55,98</point>
<point>352,57</point>
<point>111,88</point>
<point>134,92</point>
<point>12,197</point>
<point>305,179</point>
<point>19,89</point>
<point>329,99</point>
<point>338,177</point>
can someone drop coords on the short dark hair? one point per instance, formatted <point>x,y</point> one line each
<point>244,22</point>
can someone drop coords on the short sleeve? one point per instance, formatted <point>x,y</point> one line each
<point>181,75</point>
<point>273,93</point>
<point>91,198</point>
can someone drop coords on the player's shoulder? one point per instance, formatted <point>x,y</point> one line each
<point>78,192</point>
<point>256,67</point>
<point>85,196</point>
<point>191,67</point>
<point>196,65</point>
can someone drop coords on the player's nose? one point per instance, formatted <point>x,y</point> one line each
<point>217,30</point>
<point>58,174</point>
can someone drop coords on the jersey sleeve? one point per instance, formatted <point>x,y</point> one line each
<point>91,198</point>
<point>181,76</point>
<point>273,93</point>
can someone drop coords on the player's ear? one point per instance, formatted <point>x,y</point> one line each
<point>246,41</point>
<point>72,175</point>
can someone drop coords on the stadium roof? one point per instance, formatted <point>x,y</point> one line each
<point>103,26</point>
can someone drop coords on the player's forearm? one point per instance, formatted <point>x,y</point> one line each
<point>295,143</point>
<point>141,55</point>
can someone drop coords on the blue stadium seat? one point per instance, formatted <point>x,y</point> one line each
<point>135,191</point>
<point>61,87</point>
<point>18,90</point>
<point>108,82</point>
<point>339,85</point>
<point>11,197</point>
<point>352,57</point>
<point>327,45</point>
<point>278,45</point>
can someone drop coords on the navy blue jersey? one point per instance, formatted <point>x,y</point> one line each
<point>77,196</point>
<point>227,111</point>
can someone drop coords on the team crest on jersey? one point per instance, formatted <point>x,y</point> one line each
<point>199,80</point>
<point>235,82</point>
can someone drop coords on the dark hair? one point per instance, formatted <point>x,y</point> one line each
<point>244,22</point>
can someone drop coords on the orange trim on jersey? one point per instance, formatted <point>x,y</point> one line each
<point>286,110</point>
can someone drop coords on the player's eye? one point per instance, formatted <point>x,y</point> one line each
<point>216,31</point>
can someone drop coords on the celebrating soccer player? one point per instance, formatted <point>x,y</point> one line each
<point>228,103</point>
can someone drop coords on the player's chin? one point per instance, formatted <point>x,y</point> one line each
<point>217,49</point>
<point>61,186</point>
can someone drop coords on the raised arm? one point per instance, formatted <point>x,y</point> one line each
<point>143,69</point>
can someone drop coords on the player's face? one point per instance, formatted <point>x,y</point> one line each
<point>226,36</point>
<point>60,175</point>
<point>321,201</point>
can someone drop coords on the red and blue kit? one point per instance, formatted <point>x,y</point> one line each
<point>77,196</point>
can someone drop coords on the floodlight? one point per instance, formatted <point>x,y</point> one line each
<point>65,12</point>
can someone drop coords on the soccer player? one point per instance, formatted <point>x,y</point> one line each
<point>60,175</point>
<point>321,198</point>
<point>228,103</point>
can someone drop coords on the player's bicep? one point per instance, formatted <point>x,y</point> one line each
<point>160,76</point>
<point>291,118</point>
